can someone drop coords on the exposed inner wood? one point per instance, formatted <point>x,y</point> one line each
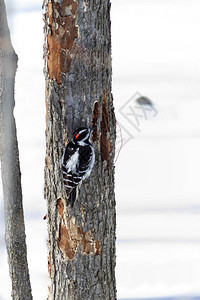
<point>71,235</point>
<point>105,141</point>
<point>62,33</point>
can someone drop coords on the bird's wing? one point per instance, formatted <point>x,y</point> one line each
<point>70,176</point>
<point>86,155</point>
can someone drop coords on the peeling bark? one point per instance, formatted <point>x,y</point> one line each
<point>95,117</point>
<point>72,236</point>
<point>10,168</point>
<point>78,93</point>
<point>105,146</point>
<point>62,33</point>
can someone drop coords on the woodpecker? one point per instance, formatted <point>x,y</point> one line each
<point>77,162</point>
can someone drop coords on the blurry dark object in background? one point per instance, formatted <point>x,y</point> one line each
<point>144,101</point>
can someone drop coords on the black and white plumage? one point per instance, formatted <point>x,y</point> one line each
<point>77,162</point>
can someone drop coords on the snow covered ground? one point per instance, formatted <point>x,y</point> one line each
<point>156,53</point>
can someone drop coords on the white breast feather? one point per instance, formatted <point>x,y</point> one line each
<point>72,163</point>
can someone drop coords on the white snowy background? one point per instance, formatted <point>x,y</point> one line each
<point>156,52</point>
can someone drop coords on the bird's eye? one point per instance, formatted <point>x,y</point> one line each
<point>77,136</point>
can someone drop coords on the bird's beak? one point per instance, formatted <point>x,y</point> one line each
<point>92,128</point>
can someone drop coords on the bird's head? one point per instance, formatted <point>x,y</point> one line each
<point>82,135</point>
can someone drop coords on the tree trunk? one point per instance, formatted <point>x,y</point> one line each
<point>10,169</point>
<point>78,93</point>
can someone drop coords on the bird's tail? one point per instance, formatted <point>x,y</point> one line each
<point>72,197</point>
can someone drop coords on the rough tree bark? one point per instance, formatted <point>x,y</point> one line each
<point>10,168</point>
<point>78,93</point>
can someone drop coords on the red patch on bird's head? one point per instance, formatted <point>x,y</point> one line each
<point>75,136</point>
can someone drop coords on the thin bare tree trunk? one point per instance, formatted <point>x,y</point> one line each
<point>78,93</point>
<point>10,168</point>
